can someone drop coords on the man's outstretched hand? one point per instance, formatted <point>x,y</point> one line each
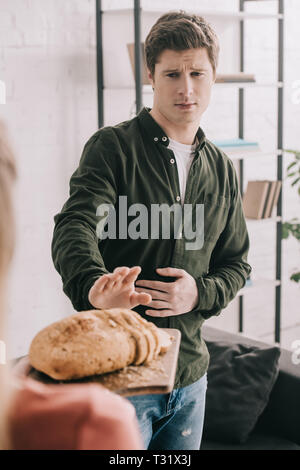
<point>117,289</point>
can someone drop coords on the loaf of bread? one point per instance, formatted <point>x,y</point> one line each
<point>95,342</point>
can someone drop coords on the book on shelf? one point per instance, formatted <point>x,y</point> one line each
<point>269,200</point>
<point>275,197</point>
<point>131,52</point>
<point>260,198</point>
<point>272,198</point>
<point>254,199</point>
<point>235,77</point>
<point>234,146</point>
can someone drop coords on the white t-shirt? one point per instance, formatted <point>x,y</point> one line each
<point>184,155</point>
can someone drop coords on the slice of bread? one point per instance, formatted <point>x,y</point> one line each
<point>141,350</point>
<point>165,340</point>
<point>146,331</point>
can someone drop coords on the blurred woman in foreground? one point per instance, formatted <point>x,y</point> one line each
<point>39,416</point>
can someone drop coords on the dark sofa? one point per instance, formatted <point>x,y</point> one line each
<point>278,426</point>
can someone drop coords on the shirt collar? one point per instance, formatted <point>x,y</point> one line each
<point>156,133</point>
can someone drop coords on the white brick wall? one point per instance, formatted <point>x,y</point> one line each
<point>48,62</point>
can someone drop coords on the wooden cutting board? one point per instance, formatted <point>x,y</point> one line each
<point>157,377</point>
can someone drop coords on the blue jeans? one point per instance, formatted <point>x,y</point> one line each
<point>172,421</point>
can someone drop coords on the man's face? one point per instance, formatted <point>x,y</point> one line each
<point>182,85</point>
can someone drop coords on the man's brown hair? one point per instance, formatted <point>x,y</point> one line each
<point>178,31</point>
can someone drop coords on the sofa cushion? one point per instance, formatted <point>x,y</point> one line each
<point>240,380</point>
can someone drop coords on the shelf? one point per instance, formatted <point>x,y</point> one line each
<point>251,84</point>
<point>273,219</point>
<point>205,12</point>
<point>251,155</point>
<point>147,89</point>
<point>259,284</point>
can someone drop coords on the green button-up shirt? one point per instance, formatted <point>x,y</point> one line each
<point>132,160</point>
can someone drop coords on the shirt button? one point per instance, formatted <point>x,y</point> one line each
<point>177,198</point>
<point>164,139</point>
<point>155,139</point>
<point>172,160</point>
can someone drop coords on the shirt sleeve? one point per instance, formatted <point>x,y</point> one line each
<point>75,252</point>
<point>71,417</point>
<point>228,268</point>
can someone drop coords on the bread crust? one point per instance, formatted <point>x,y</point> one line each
<point>95,342</point>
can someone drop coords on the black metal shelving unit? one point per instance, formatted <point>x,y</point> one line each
<point>138,59</point>
<point>279,157</point>
<point>137,11</point>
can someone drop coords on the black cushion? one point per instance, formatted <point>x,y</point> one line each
<point>240,380</point>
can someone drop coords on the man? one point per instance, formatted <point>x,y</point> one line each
<point>160,157</point>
